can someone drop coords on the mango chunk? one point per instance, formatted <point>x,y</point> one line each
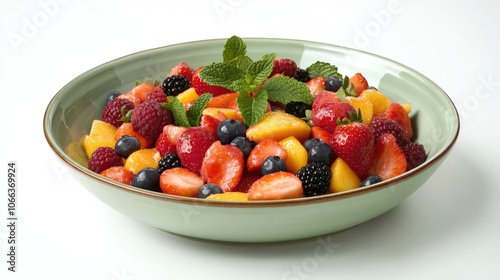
<point>279,125</point>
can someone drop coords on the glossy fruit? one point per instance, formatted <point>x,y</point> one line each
<point>245,145</point>
<point>222,101</point>
<point>272,164</point>
<point>119,174</point>
<point>316,85</point>
<point>261,151</point>
<point>115,111</point>
<point>141,159</point>
<point>180,181</point>
<point>353,142</point>
<point>222,113</point>
<point>102,134</point>
<point>103,158</point>
<point>320,134</point>
<point>191,147</point>
<point>285,66</point>
<point>229,129</point>
<point>398,113</point>
<point>223,165</point>
<point>209,189</point>
<point>130,97</point>
<point>278,185</point>
<point>370,180</point>
<point>141,91</point>
<point>320,152</point>
<point>296,154</point>
<point>112,95</point>
<point>126,145</point>
<point>362,104</point>
<point>157,94</point>
<point>343,177</point>
<point>148,179</point>
<point>359,82</point>
<point>167,141</point>
<point>382,125</point>
<point>298,109</point>
<point>278,125</point>
<point>325,115</point>
<point>149,118</point>
<point>210,123</point>
<point>389,158</point>
<point>229,196</point>
<point>175,84</point>
<point>315,178</point>
<point>415,154</point>
<point>182,69</point>
<point>201,87</point>
<point>168,161</point>
<point>126,129</point>
<point>333,83</point>
<point>380,102</point>
<point>188,96</point>
<point>302,75</point>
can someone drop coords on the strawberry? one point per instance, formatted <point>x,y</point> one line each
<point>149,118</point>
<point>247,179</point>
<point>119,174</point>
<point>201,87</point>
<point>191,147</point>
<point>285,66</point>
<point>389,159</point>
<point>326,114</point>
<point>380,126</point>
<point>266,148</point>
<point>398,113</point>
<point>132,98</point>
<point>210,123</point>
<point>321,134</point>
<point>353,141</point>
<point>223,165</point>
<point>316,85</point>
<point>142,90</point>
<point>115,111</point>
<point>182,69</point>
<point>278,185</point>
<point>180,181</point>
<point>167,141</point>
<point>157,94</point>
<point>359,82</point>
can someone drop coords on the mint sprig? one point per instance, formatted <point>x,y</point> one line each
<point>195,111</point>
<point>252,108</point>
<point>192,116</point>
<point>323,69</point>
<point>285,89</point>
<point>347,89</point>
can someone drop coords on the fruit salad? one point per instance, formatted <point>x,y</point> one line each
<point>244,129</point>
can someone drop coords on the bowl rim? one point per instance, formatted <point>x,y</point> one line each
<point>443,152</point>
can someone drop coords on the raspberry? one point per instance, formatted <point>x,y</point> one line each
<point>115,111</point>
<point>149,118</point>
<point>173,85</point>
<point>315,178</point>
<point>381,126</point>
<point>103,158</point>
<point>169,160</point>
<point>415,155</point>
<point>284,66</point>
<point>157,94</point>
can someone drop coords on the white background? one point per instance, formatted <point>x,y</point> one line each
<point>448,230</point>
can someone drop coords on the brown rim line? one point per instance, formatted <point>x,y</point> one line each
<point>267,203</point>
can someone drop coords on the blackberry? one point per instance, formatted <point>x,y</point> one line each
<point>169,160</point>
<point>315,177</point>
<point>173,85</point>
<point>297,109</point>
<point>302,75</point>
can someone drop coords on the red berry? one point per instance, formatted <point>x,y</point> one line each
<point>359,82</point>
<point>389,159</point>
<point>180,181</point>
<point>380,126</point>
<point>415,154</point>
<point>398,113</point>
<point>112,112</point>
<point>285,66</point>
<point>182,69</point>
<point>119,174</point>
<point>149,118</point>
<point>326,114</point>
<point>277,185</point>
<point>157,94</point>
<point>167,141</point>
<point>191,147</point>
<point>223,165</point>
<point>261,151</point>
<point>201,87</point>
<point>316,85</point>
<point>103,158</point>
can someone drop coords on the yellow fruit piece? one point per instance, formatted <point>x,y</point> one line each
<point>189,95</point>
<point>228,113</point>
<point>343,177</point>
<point>296,154</point>
<point>407,107</point>
<point>234,196</point>
<point>364,105</point>
<point>141,159</point>
<point>102,134</point>
<point>279,125</point>
<point>379,101</point>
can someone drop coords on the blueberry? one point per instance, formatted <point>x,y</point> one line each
<point>333,83</point>
<point>209,189</point>
<point>242,143</point>
<point>272,164</point>
<point>320,152</point>
<point>147,178</point>
<point>126,145</point>
<point>370,180</point>
<point>112,95</point>
<point>372,87</point>
<point>229,129</point>
<point>309,143</point>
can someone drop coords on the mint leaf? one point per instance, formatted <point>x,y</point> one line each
<point>258,72</point>
<point>241,62</point>
<point>347,89</point>
<point>194,112</point>
<point>233,48</point>
<point>322,69</point>
<point>221,74</point>
<point>270,56</point>
<point>178,111</point>
<point>252,108</point>
<point>285,89</point>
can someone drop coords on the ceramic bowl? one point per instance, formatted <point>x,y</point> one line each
<point>70,112</point>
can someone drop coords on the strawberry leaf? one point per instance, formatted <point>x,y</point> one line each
<point>285,89</point>
<point>252,108</point>
<point>194,112</point>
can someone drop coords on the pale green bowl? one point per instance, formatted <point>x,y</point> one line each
<point>70,113</point>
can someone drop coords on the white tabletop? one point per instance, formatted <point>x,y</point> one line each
<point>448,230</point>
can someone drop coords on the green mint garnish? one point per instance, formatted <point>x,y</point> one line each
<point>222,74</point>
<point>347,89</point>
<point>322,69</point>
<point>258,72</point>
<point>234,49</point>
<point>178,111</point>
<point>252,108</point>
<point>194,112</point>
<point>285,89</point>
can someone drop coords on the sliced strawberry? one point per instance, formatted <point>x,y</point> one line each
<point>316,85</point>
<point>192,145</point>
<point>247,180</point>
<point>128,95</point>
<point>222,101</point>
<point>278,185</point>
<point>210,123</point>
<point>142,90</point>
<point>398,113</point>
<point>223,165</point>
<point>180,181</point>
<point>321,134</point>
<point>119,174</point>
<point>324,96</point>
<point>261,151</point>
<point>389,159</point>
<point>182,69</point>
<point>167,141</point>
<point>201,87</point>
<point>325,115</point>
<point>359,82</point>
